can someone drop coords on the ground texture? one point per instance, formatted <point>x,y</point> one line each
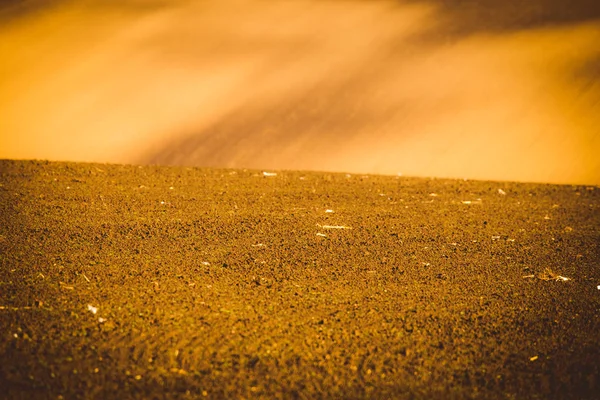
<point>154,282</point>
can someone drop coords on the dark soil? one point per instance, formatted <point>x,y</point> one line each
<point>230,284</point>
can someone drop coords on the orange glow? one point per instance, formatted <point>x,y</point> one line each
<point>349,86</point>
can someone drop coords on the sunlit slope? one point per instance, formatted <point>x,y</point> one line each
<point>370,87</point>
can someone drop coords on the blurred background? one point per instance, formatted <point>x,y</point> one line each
<point>488,89</point>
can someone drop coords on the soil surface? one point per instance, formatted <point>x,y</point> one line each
<point>165,282</point>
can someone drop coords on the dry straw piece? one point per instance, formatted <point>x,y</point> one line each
<point>548,275</point>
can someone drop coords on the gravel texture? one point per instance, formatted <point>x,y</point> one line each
<point>166,282</point>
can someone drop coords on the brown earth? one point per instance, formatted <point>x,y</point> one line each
<point>164,282</point>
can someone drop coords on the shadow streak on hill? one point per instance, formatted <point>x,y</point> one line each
<point>310,125</point>
<point>465,17</point>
